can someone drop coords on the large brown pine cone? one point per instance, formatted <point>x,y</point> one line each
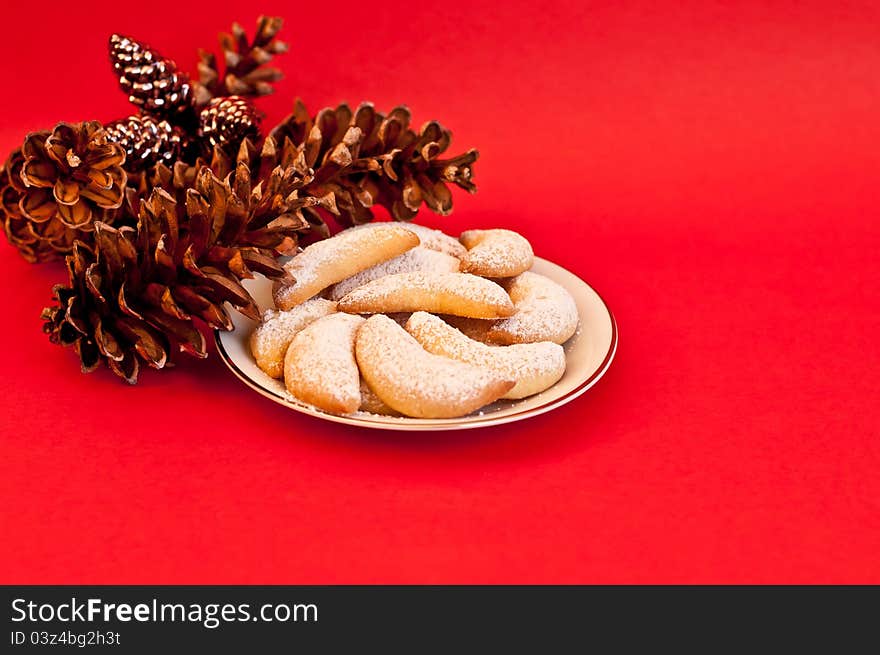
<point>135,295</point>
<point>365,157</point>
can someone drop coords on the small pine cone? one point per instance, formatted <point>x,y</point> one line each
<point>245,63</point>
<point>226,122</point>
<point>147,141</point>
<point>151,81</point>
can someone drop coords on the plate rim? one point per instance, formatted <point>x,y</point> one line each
<point>465,423</point>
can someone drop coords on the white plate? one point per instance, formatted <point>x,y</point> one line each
<point>587,354</point>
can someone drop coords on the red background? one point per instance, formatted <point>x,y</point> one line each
<point>710,167</point>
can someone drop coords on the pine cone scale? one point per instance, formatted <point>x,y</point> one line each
<point>99,179</point>
<point>212,314</point>
<point>37,173</point>
<point>66,192</point>
<point>93,282</point>
<point>107,344</point>
<point>34,146</point>
<point>38,206</point>
<point>89,355</point>
<point>76,215</point>
<point>263,264</point>
<point>127,369</point>
<point>148,343</point>
<point>106,156</point>
<point>189,339</point>
<point>74,316</point>
<point>104,197</point>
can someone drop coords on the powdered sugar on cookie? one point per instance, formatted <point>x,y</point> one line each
<point>429,237</point>
<point>417,383</point>
<point>496,253</point>
<point>332,260</point>
<point>545,311</point>
<point>372,404</point>
<point>270,340</point>
<point>419,258</point>
<point>534,366</point>
<point>320,367</point>
<point>460,294</point>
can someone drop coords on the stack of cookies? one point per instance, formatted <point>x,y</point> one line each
<point>402,320</point>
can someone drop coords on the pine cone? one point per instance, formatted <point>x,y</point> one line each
<point>136,294</point>
<point>151,81</point>
<point>245,71</point>
<point>225,122</point>
<point>57,185</point>
<point>147,141</point>
<point>83,169</point>
<point>366,158</point>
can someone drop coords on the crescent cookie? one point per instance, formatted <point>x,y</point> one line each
<point>270,340</point>
<point>332,260</point>
<point>417,383</point>
<point>534,366</point>
<point>459,294</point>
<point>320,367</point>
<point>419,258</point>
<point>496,253</point>
<point>545,311</point>
<point>430,238</point>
